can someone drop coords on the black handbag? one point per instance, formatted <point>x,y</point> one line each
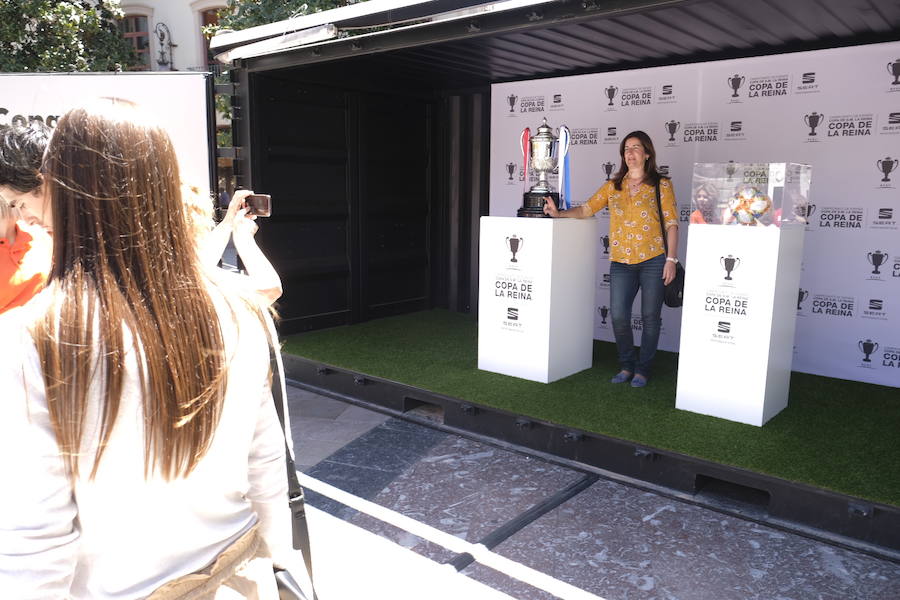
<point>674,293</point>
<point>288,589</point>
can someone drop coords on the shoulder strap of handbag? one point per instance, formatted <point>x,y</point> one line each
<point>296,501</point>
<point>662,224</point>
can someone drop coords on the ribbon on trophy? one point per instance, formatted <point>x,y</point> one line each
<point>523,140</point>
<point>564,175</point>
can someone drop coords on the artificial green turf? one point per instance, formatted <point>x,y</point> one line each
<point>834,434</point>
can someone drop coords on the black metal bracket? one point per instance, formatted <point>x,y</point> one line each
<point>860,510</point>
<point>645,454</point>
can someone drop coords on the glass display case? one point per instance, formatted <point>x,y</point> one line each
<point>751,194</point>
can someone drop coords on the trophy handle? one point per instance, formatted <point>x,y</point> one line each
<point>859,345</point>
<point>875,347</point>
<point>806,119</point>
<point>889,68</point>
<point>737,262</point>
<point>521,244</point>
<point>722,261</point>
<point>869,258</point>
<point>894,166</point>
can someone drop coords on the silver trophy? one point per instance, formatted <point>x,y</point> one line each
<point>543,159</point>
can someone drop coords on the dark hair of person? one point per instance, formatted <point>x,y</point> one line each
<point>651,174</point>
<point>21,151</point>
<point>124,260</point>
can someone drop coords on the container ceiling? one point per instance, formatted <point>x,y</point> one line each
<point>534,40</point>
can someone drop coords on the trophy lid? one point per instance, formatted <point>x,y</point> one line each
<point>544,131</point>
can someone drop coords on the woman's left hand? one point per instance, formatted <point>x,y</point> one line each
<point>244,226</point>
<point>668,272</point>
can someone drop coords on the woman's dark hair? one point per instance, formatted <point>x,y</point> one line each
<point>21,151</point>
<point>124,258</point>
<point>651,174</point>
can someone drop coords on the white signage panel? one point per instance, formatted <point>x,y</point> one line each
<point>176,100</point>
<point>789,107</point>
<point>736,336</point>
<point>535,305</point>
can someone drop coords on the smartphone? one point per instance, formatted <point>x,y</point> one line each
<point>259,205</point>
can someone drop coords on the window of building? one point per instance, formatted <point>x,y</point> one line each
<point>136,29</point>
<point>209,17</point>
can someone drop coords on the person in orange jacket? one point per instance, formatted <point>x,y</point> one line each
<point>25,246</point>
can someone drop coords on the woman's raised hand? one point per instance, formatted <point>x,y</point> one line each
<point>550,207</point>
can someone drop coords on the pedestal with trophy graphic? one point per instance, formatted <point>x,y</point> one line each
<point>744,253</point>
<point>536,296</point>
<point>542,153</point>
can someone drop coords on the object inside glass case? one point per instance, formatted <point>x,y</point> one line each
<point>751,194</point>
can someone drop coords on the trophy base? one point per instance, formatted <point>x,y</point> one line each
<point>533,204</point>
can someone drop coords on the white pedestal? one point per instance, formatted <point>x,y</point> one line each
<point>536,313</point>
<point>737,334</point>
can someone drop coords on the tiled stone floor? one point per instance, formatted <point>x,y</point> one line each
<point>612,540</point>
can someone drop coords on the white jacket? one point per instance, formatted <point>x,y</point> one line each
<point>120,536</point>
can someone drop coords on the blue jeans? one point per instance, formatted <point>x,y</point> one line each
<point>624,282</point>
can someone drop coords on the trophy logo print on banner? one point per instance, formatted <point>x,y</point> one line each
<point>876,259</point>
<point>805,210</point>
<point>735,84</point>
<point>894,69</point>
<point>512,102</point>
<point>867,347</point>
<point>730,169</point>
<point>605,241</point>
<point>510,169</point>
<point>812,121</point>
<point>672,129</point>
<point>729,263</point>
<point>608,169</point>
<point>604,312</point>
<point>611,93</point>
<point>514,244</point>
<point>887,166</point>
<point>801,296</point>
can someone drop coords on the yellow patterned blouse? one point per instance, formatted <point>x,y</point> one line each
<point>634,232</point>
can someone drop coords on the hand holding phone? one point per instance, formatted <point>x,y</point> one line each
<point>259,205</point>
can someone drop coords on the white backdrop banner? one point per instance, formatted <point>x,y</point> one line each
<point>177,101</point>
<point>837,110</point>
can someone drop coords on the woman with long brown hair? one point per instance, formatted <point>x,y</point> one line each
<point>138,437</point>
<point>638,259</point>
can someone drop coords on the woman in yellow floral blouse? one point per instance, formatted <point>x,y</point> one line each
<point>638,260</point>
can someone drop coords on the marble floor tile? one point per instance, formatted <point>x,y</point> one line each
<point>613,540</point>
<point>469,489</point>
<point>622,543</point>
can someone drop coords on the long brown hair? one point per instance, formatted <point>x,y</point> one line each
<point>124,261</point>
<point>651,173</point>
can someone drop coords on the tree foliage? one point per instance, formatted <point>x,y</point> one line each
<point>243,14</point>
<point>62,35</point>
